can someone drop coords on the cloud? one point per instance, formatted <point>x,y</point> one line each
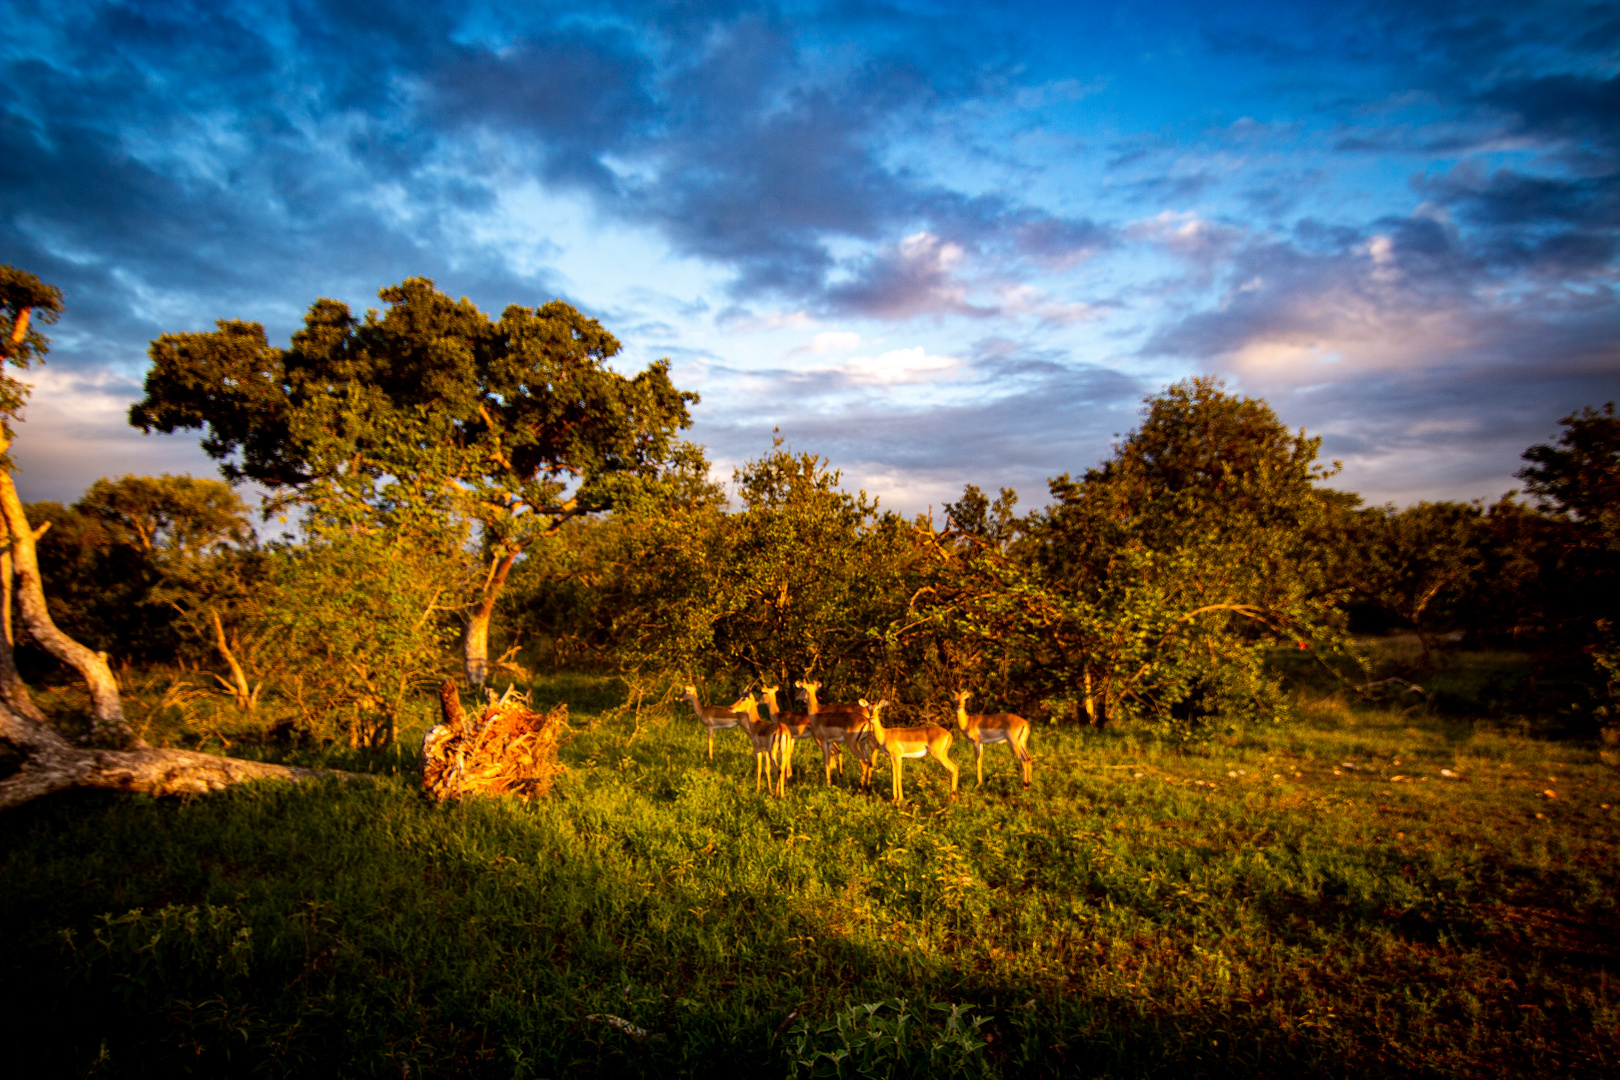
<point>1047,415</point>
<point>75,434</point>
<point>821,168</point>
<point>831,341</point>
<point>1400,345</point>
<point>917,276</point>
<point>899,366</point>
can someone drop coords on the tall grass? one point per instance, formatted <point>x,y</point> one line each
<point>1317,900</point>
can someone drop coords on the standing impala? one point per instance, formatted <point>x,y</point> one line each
<point>771,745</point>
<point>1003,727</point>
<point>898,743</point>
<point>831,727</point>
<point>798,724</point>
<point>712,717</point>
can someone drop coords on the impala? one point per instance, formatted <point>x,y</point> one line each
<point>832,726</point>
<point>1004,727</point>
<point>712,717</point>
<point>798,724</point>
<point>899,743</point>
<point>772,744</point>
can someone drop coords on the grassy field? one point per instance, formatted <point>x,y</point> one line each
<point>1317,900</point>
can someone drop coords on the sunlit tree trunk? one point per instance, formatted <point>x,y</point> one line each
<point>475,640</point>
<point>239,683</point>
<point>108,724</point>
<point>13,691</point>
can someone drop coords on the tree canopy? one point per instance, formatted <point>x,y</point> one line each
<point>421,413</point>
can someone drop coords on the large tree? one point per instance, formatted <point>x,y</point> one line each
<point>1154,585</point>
<point>425,411</point>
<point>49,761</point>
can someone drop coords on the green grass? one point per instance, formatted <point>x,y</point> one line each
<point>1245,906</point>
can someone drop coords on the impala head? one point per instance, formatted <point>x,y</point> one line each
<point>691,692</point>
<point>873,710</point>
<point>960,697</point>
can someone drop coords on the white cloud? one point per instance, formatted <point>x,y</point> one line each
<point>831,341</point>
<point>898,366</point>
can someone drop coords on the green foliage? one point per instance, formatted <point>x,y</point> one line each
<point>136,566</point>
<point>26,304</point>
<point>1153,587</point>
<point>885,1039</point>
<point>175,519</point>
<point>426,417</point>
<point>799,584</point>
<point>1580,476</point>
<point>358,623</point>
<point>1418,563</point>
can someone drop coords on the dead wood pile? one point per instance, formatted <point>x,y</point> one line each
<point>507,749</point>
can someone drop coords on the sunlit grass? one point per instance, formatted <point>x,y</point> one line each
<point>1318,899</point>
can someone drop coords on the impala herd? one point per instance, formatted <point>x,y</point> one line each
<point>860,729</point>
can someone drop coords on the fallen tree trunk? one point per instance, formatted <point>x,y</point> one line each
<point>52,764</point>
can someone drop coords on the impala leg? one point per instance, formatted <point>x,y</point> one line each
<point>711,744</point>
<point>944,758</point>
<point>978,760</point>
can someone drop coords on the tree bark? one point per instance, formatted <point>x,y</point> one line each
<point>108,724</point>
<point>239,689</point>
<point>53,764</point>
<point>13,691</point>
<point>475,639</point>
<point>5,594</point>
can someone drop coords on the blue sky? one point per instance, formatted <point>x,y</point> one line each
<point>940,244</point>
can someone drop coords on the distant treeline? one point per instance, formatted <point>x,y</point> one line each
<point>1157,586</point>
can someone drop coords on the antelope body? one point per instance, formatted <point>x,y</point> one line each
<point>1006,728</point>
<point>713,717</point>
<point>798,724</point>
<point>772,745</point>
<point>911,742</point>
<point>832,727</point>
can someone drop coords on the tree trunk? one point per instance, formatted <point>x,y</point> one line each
<point>108,724</point>
<point>13,691</point>
<point>475,639</point>
<point>5,595</point>
<point>239,687</point>
<point>53,764</point>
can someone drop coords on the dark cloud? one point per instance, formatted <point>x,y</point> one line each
<point>1563,105</point>
<point>578,96</point>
